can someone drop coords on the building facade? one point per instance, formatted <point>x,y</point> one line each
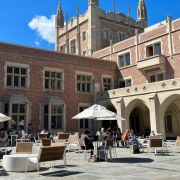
<point>148,94</point>
<point>92,31</point>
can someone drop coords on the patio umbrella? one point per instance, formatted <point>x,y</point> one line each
<point>4,118</point>
<point>95,111</point>
<point>117,117</point>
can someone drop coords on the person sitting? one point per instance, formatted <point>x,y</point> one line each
<point>87,141</point>
<point>98,132</point>
<point>125,138</point>
<point>50,137</point>
<point>20,131</point>
<point>44,131</point>
<point>132,134</point>
<point>104,133</point>
<point>118,131</point>
<point>3,138</point>
<point>109,137</point>
<point>154,133</point>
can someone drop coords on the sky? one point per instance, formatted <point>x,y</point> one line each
<point>31,22</point>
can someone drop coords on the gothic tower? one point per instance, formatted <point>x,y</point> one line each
<point>96,2</point>
<point>59,23</point>
<point>142,13</point>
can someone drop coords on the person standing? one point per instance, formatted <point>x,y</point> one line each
<point>29,130</point>
<point>3,138</point>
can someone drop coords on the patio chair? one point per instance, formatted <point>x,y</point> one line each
<point>45,142</point>
<point>76,133</point>
<point>111,146</point>
<point>57,133</point>
<point>36,143</point>
<point>63,137</point>
<point>72,142</point>
<point>48,154</point>
<point>118,139</point>
<point>42,136</point>
<point>177,144</point>
<point>155,143</point>
<point>82,144</point>
<point>24,148</point>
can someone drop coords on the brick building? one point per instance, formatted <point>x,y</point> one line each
<point>93,30</point>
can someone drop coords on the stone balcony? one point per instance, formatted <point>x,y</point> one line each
<point>155,87</point>
<point>153,62</point>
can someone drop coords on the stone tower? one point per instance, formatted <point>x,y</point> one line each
<point>94,26</point>
<point>59,23</point>
<point>142,13</point>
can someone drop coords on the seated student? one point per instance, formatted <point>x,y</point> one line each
<point>20,131</point>
<point>118,132</point>
<point>87,141</point>
<point>50,137</point>
<point>109,137</point>
<point>154,133</point>
<point>44,131</point>
<point>132,134</point>
<point>98,132</point>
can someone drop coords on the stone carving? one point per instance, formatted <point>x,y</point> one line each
<point>144,88</point>
<point>114,92</point>
<point>163,85</point>
<point>128,91</point>
<point>174,83</point>
<point>136,89</point>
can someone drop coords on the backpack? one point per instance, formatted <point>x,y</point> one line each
<point>135,149</point>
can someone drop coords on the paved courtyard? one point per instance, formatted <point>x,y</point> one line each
<point>127,166</point>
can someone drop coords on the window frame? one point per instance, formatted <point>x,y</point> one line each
<point>121,35</point>
<point>153,45</point>
<point>84,38</point>
<point>124,55</point>
<point>105,76</point>
<point>73,46</point>
<point>106,30</point>
<point>56,79</point>
<point>126,82</point>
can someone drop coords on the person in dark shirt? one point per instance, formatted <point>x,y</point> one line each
<point>50,137</point>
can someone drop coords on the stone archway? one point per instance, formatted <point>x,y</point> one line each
<point>169,117</point>
<point>138,117</point>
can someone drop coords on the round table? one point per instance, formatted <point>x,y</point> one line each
<point>17,163</point>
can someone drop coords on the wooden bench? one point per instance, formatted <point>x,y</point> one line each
<point>24,147</point>
<point>155,143</point>
<point>45,142</point>
<point>64,136</point>
<point>48,154</point>
<point>42,136</point>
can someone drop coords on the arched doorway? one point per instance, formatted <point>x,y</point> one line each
<point>106,124</point>
<point>139,118</point>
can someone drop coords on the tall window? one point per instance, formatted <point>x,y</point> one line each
<point>84,35</point>
<point>83,83</point>
<point>160,77</point>
<point>121,37</point>
<point>128,62</point>
<point>73,46</point>
<point>84,53</point>
<point>122,84</point>
<point>122,61</point>
<point>56,116</point>
<point>107,84</point>
<point>158,48</point>
<point>153,49</point>
<point>53,81</point>
<point>83,123</point>
<point>106,34</point>
<point>18,115</point>
<point>16,77</point>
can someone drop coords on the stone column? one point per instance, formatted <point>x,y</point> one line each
<point>170,35</point>
<point>10,114</point>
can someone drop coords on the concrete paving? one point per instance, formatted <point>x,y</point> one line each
<point>127,166</point>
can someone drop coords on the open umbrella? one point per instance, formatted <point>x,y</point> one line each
<point>4,118</point>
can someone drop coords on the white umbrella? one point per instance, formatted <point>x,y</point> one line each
<point>97,111</point>
<point>117,117</point>
<point>4,118</point>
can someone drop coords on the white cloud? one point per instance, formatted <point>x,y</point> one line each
<point>44,27</point>
<point>37,43</point>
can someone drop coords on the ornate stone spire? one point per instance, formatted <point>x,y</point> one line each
<point>142,11</point>
<point>114,6</point>
<point>96,2</point>
<point>129,10</point>
<point>59,17</point>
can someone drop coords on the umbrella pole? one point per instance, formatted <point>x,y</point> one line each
<point>96,124</point>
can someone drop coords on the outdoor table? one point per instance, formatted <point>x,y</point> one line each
<point>15,135</point>
<point>98,144</point>
<point>17,163</point>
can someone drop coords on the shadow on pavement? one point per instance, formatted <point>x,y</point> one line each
<point>132,160</point>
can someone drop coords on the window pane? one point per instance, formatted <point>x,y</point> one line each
<point>9,69</point>
<point>169,123</point>
<point>14,122</point>
<point>58,75</point>
<point>152,79</point>
<point>16,81</point>
<point>81,109</point>
<point>88,87</point>
<point>47,73</point>
<point>83,87</point>
<point>21,121</point>
<point>84,53</point>
<point>22,108</point>
<point>46,122</point>
<point>53,122</point>
<point>23,71</point>
<point>119,37</point>
<point>79,86</point>
<point>53,74</point>
<point>83,78</point>
<point>14,108</point>
<point>47,83</point>
<point>59,122</point>
<point>84,36</point>
<point>122,61</point>
<point>105,34</point>
<point>128,59</point>
<point>6,109</point>
<point>88,78</point>
<point>59,109</point>
<point>59,85</point>
<point>104,80</point>
<point>16,70</point>
<point>121,84</point>
<point>81,123</point>
<point>128,83</point>
<point>123,37</point>
<point>109,81</point>
<point>53,82</point>
<point>160,77</point>
<point>23,81</point>
<point>86,123</point>
<point>158,48</point>
<point>9,80</point>
<point>53,109</point>
<point>79,77</point>
<point>46,109</point>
